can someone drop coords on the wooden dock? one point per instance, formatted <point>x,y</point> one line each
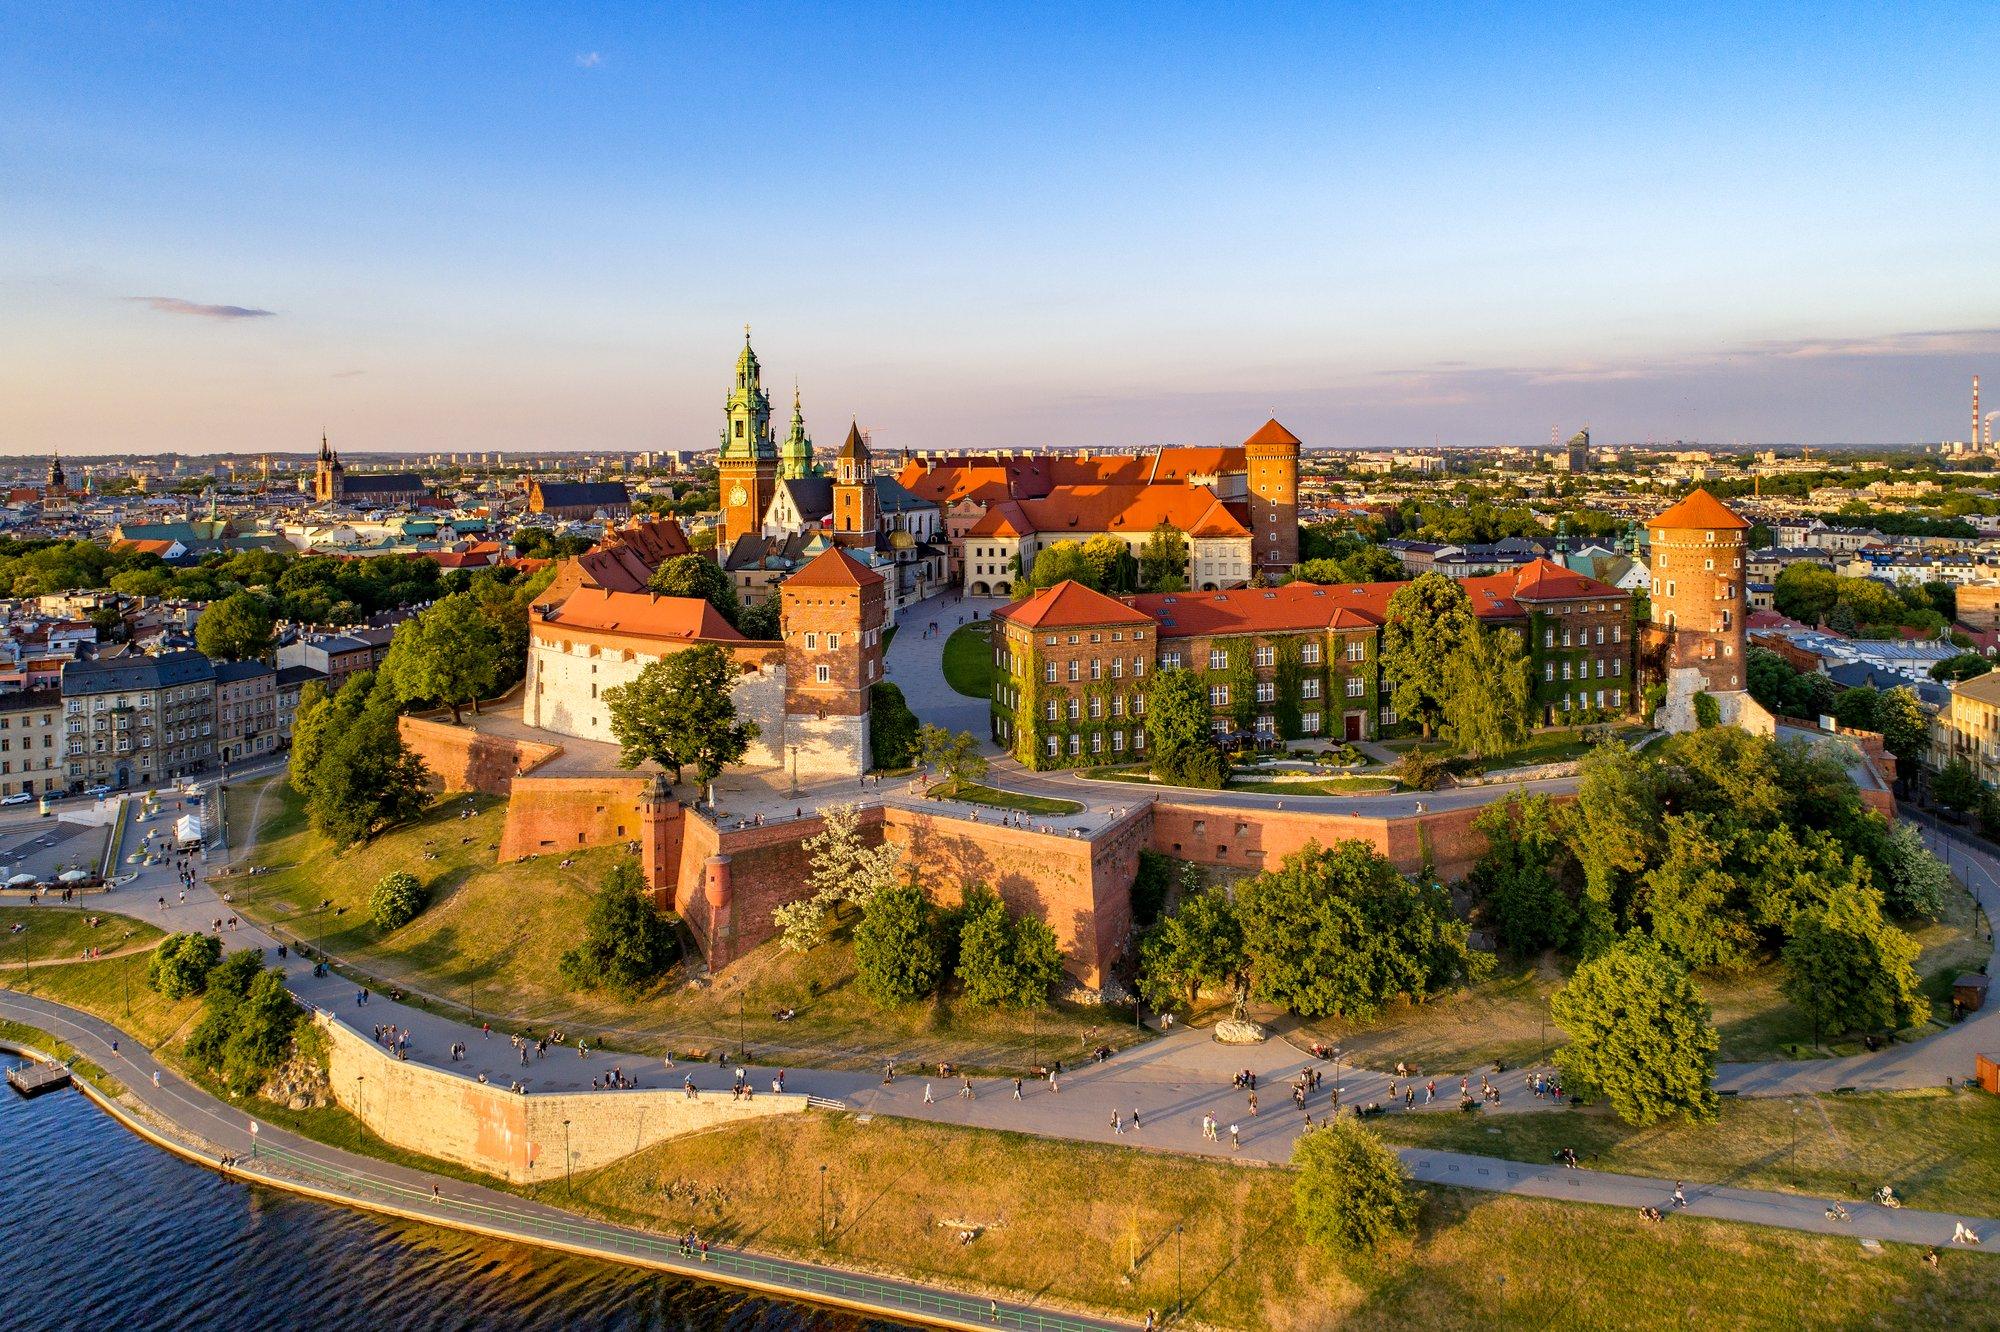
<point>34,1079</point>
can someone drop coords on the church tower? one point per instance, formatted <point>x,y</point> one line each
<point>57,490</point>
<point>329,477</point>
<point>748,466</point>
<point>1698,604</point>
<point>854,521</point>
<point>1272,458</point>
<point>795,455</point>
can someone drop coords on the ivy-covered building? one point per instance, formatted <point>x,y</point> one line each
<point>1300,662</point>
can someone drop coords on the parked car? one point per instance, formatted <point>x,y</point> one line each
<point>97,792</point>
<point>19,798</point>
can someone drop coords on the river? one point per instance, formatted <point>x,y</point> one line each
<point>101,1230</point>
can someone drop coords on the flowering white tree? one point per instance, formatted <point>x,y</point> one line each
<point>843,871</point>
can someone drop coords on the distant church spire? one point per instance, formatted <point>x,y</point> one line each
<point>795,455</point>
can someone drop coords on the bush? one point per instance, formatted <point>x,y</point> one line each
<point>179,967</point>
<point>896,953</point>
<point>395,901</point>
<point>1707,712</point>
<point>1003,959</point>
<point>248,1022</point>
<point>1352,1193</point>
<point>1150,885</point>
<point>1424,770</point>
<point>892,727</point>
<point>626,941</point>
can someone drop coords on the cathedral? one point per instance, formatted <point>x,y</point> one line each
<point>333,485</point>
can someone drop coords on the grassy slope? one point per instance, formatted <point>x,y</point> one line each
<point>494,933</point>
<point>1506,1017</point>
<point>115,990</point>
<point>1065,1220</point>
<point>1027,804</point>
<point>1938,1150</point>
<point>66,931</point>
<point>968,661</point>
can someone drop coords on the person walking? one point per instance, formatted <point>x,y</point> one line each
<point>1680,1195</point>
<point>1117,1124</point>
<point>1017,1089</point>
<point>928,1099</point>
<point>1235,1139</point>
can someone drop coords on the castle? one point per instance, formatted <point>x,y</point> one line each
<point>598,626</point>
<point>1698,607</point>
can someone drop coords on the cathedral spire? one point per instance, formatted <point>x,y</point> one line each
<point>795,455</point>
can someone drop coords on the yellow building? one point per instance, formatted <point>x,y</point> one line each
<point>1970,727</point>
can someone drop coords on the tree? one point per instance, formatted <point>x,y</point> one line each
<point>1112,564</point>
<point>1163,561</point>
<point>699,578</point>
<point>179,967</point>
<point>1855,708</point>
<point>1065,561</point>
<point>1004,959</point>
<point>1486,690</point>
<point>236,628</point>
<point>1611,829</point>
<point>1965,666</point>
<point>896,953</point>
<point>1430,618</point>
<point>1806,591</point>
<point>247,1023</point>
<point>1640,1034</point>
<point>1691,900</point>
<point>763,620</point>
<point>679,714</point>
<point>1352,1193</point>
<point>1903,722</point>
<point>1180,730</point>
<point>1792,874</point>
<point>309,720</point>
<point>1340,932</point>
<point>1199,945</point>
<point>626,941</point>
<point>395,901</point>
<point>1518,874</point>
<point>954,758</point>
<point>1849,970</point>
<point>1958,787</point>
<point>1917,881</point>
<point>892,727</point>
<point>365,779</point>
<point>448,654</point>
<point>843,871</point>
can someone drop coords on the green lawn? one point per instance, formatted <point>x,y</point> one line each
<point>51,931</point>
<point>494,935</point>
<point>1938,1150</point>
<point>968,660</point>
<point>115,990</point>
<point>1327,786</point>
<point>1560,746</point>
<point>1015,800</point>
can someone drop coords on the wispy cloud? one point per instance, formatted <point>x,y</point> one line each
<point>589,59</point>
<point>174,305</point>
<point>348,374</point>
<point>1920,343</point>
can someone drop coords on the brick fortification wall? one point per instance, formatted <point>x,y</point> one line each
<point>465,760</point>
<point>1256,839</point>
<point>550,814</point>
<point>518,1138</point>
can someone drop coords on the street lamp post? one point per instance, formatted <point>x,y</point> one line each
<point>795,768</point>
<point>569,1177</point>
<point>822,1202</point>
<point>1177,1271</point>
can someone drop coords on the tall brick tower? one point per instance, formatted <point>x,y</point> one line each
<point>854,520</point>
<point>1698,604</point>
<point>1272,455</point>
<point>747,468</point>
<point>834,611</point>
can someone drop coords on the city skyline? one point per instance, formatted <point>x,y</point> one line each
<point>523,232</point>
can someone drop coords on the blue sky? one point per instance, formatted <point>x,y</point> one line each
<point>534,227</point>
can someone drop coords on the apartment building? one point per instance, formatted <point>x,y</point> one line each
<point>31,746</point>
<point>246,710</point>
<point>138,721</point>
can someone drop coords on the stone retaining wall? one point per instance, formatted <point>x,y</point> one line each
<point>519,1138</point>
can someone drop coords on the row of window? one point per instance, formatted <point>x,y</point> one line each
<point>1052,745</point>
<point>1582,636</point>
<point>1267,691</point>
<point>1051,675</point>
<point>1583,669</point>
<point>1057,709</point>
<point>1266,655</point>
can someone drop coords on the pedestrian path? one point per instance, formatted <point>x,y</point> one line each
<point>188,1121</point>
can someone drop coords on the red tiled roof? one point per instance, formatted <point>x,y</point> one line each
<point>834,567</point>
<point>1068,604</point>
<point>1497,596</point>
<point>1132,509</point>
<point>1699,511</point>
<point>1271,433</point>
<point>644,614</point>
<point>1003,519</point>
<point>1293,608</point>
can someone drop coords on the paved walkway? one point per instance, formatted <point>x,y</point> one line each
<point>915,663</point>
<point>190,1121</point>
<point>1925,1063</point>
